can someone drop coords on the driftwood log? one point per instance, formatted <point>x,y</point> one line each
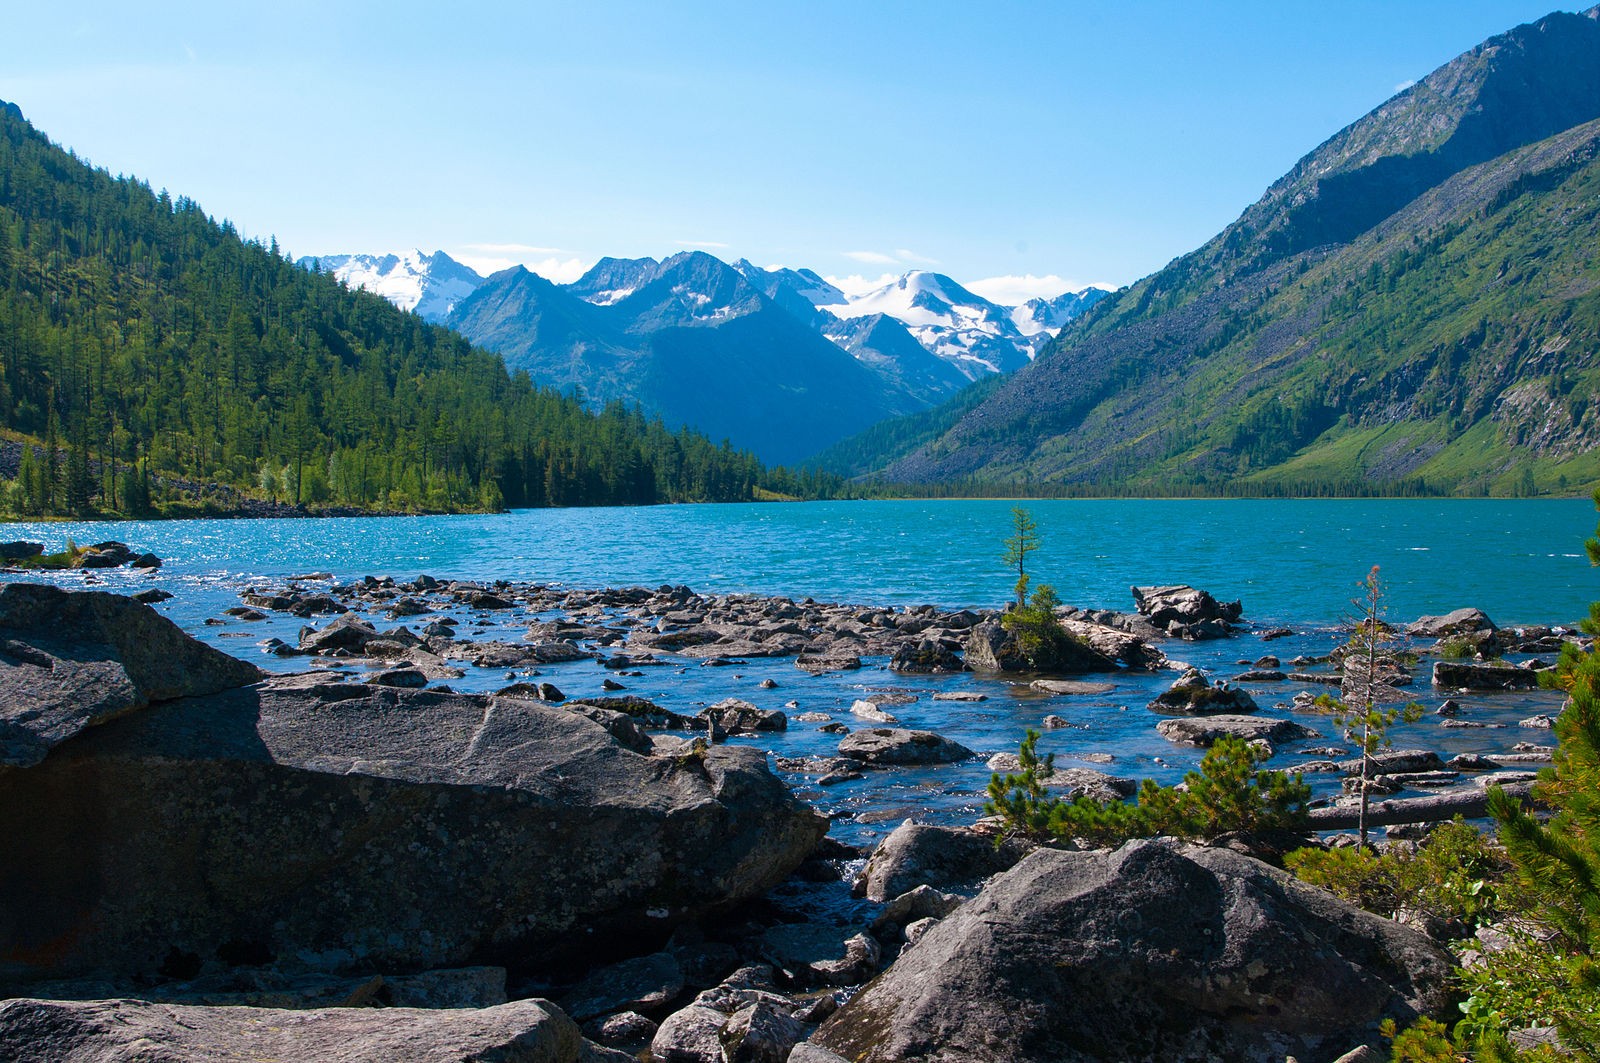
<point>1468,804</point>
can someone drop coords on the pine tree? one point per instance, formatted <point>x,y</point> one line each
<point>1023,540</point>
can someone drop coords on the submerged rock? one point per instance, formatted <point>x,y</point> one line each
<point>1155,951</point>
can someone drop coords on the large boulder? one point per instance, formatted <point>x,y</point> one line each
<point>1155,951</point>
<point>112,1031</point>
<point>1455,622</point>
<point>991,648</point>
<point>1182,610</point>
<point>357,827</point>
<point>72,660</point>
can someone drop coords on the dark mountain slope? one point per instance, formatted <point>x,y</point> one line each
<point>691,340</point>
<point>1397,287</point>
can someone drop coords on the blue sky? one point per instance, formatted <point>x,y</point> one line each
<point>1024,148</point>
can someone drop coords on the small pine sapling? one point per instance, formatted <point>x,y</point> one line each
<point>1365,708</point>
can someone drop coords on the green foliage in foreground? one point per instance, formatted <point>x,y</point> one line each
<point>154,360</point>
<point>1227,794</point>
<point>1456,876</point>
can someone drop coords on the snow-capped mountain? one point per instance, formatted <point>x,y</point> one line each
<point>431,285</point>
<point>1047,316</point>
<point>968,331</point>
<point>693,341</point>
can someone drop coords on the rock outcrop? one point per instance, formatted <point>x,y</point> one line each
<point>1155,951</point>
<point>1184,612</point>
<point>1193,695</point>
<point>346,827</point>
<point>74,660</point>
<point>111,1031</point>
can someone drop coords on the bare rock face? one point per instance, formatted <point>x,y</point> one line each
<point>1155,951</point>
<point>111,1031</point>
<point>71,660</point>
<point>352,827</point>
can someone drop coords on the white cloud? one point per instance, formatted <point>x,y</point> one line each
<point>856,284</point>
<point>1015,290</point>
<point>515,249</point>
<point>556,270</point>
<point>872,258</point>
<point>899,257</point>
<point>703,245</point>
<point>1405,85</point>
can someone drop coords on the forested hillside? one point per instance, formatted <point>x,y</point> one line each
<point>154,360</point>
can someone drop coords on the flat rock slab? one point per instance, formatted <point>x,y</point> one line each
<point>112,1031</point>
<point>71,660</point>
<point>894,745</point>
<point>1062,687</point>
<point>1205,730</point>
<point>1155,951</point>
<point>368,827</point>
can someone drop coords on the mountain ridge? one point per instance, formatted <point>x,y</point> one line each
<point>1270,346</point>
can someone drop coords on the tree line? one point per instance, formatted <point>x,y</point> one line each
<point>146,348</point>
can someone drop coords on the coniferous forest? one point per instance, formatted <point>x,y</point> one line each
<point>155,361</point>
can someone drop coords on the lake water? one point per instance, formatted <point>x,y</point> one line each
<point>1293,563</point>
<point>1288,560</point>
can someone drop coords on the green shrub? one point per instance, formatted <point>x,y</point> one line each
<point>1227,794</point>
<point>1456,874</point>
<point>1039,634</point>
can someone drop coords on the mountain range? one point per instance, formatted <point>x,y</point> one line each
<point>779,360</point>
<point>1415,306</point>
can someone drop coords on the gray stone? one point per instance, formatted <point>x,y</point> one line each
<point>72,660</point>
<point>736,717</point>
<point>1193,695</point>
<point>693,1035</point>
<point>1184,605</point>
<point>1456,622</point>
<point>1204,730</point>
<point>920,854</point>
<point>644,982</point>
<point>1065,687</point>
<point>113,1031</point>
<point>1155,951</point>
<point>761,1033</point>
<point>406,829</point>
<point>893,745</point>
<point>805,1052</point>
<point>1461,675</point>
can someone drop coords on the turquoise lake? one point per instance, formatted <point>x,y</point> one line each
<point>1288,560</point>
<point>1292,563</point>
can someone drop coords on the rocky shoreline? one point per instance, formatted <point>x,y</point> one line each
<point>594,877</point>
